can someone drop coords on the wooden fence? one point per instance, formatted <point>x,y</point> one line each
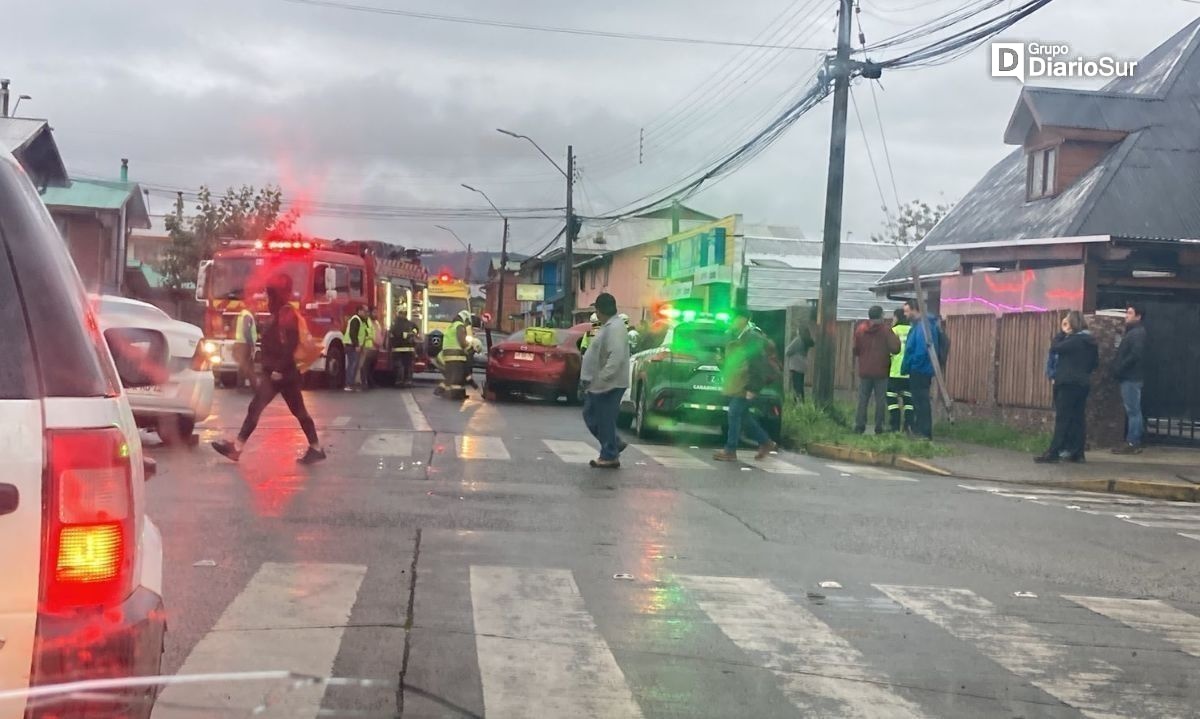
<point>1001,361</point>
<point>971,367</point>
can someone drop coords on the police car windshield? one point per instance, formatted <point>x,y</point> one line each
<point>446,309</point>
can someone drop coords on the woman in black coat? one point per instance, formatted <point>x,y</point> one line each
<point>1077,357</point>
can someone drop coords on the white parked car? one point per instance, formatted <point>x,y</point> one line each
<point>81,576</point>
<point>174,405</point>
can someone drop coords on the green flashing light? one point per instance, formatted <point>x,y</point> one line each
<point>722,316</point>
<point>689,315</point>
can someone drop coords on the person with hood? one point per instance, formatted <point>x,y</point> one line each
<point>746,370</point>
<point>280,375</point>
<point>797,360</point>
<point>874,345</point>
<point>1076,356</point>
<point>1129,368</point>
<point>918,365</point>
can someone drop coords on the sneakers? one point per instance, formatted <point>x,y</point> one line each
<point>605,464</point>
<point>765,449</point>
<point>312,456</point>
<point>226,448</point>
<point>623,447</point>
<point>724,456</point>
<point>1047,458</point>
<point>1128,449</point>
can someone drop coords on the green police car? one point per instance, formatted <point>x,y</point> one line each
<point>675,384</point>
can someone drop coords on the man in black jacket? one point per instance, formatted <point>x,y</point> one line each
<point>1129,369</point>
<point>280,376</point>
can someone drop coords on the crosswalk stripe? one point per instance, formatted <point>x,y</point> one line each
<point>1151,616</point>
<point>289,616</point>
<point>415,416</point>
<point>672,457</point>
<point>388,444</point>
<point>479,447</point>
<point>571,451</point>
<point>815,667</point>
<point>1186,526</point>
<point>1166,516</point>
<point>340,421</point>
<point>1190,536</point>
<point>1065,672</point>
<point>540,653</point>
<point>871,473</point>
<point>775,465</point>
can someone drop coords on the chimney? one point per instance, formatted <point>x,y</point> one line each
<point>124,169</point>
<point>4,98</point>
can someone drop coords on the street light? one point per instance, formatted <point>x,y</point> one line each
<point>503,256</point>
<point>466,245</point>
<point>18,103</point>
<point>569,280</point>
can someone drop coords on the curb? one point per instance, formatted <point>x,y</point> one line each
<point>1135,487</point>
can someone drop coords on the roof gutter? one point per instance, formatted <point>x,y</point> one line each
<point>1026,243</point>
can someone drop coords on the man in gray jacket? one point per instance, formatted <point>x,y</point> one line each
<point>604,376</point>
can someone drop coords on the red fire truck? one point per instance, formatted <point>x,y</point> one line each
<point>332,278</point>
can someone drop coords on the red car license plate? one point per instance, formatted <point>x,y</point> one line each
<point>523,356</point>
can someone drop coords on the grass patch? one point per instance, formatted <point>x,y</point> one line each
<point>806,423</point>
<point>994,434</point>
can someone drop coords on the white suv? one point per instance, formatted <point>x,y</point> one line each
<point>81,566</point>
<point>183,395</point>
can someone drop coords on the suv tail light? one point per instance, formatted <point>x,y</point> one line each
<point>89,519</point>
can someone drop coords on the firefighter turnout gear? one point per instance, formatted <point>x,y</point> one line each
<point>454,356</point>
<point>404,349</point>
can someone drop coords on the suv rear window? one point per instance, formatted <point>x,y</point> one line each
<point>68,351</point>
<point>699,337</point>
<point>17,377</point>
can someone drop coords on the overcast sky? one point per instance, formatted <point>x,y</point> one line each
<point>366,108</point>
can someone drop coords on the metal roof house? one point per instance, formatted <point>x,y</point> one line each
<point>32,143</point>
<point>95,218</point>
<point>781,269</point>
<point>1098,206</point>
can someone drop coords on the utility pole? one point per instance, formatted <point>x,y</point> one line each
<point>503,271</point>
<point>467,274</point>
<point>831,247</point>
<point>4,97</point>
<point>179,206</point>
<point>569,282</point>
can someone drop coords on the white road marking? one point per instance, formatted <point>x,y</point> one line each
<point>815,667</point>
<point>672,457</point>
<point>289,616</point>
<point>1093,686</point>
<point>1188,526</point>
<point>862,472</point>
<point>540,653</point>
<point>1165,516</point>
<point>340,421</point>
<point>415,415</point>
<point>571,451</point>
<point>470,446</point>
<point>388,444</point>
<point>1151,616</point>
<point>775,465</point>
<point>1190,536</point>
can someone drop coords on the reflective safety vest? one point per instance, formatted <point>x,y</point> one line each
<point>898,358</point>
<point>372,327</point>
<point>451,350</point>
<point>587,338</point>
<point>363,331</point>
<point>246,318</point>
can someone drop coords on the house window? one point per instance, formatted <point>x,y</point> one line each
<point>607,268</point>
<point>594,273</point>
<point>582,280</point>
<point>656,266</point>
<point>1042,166</point>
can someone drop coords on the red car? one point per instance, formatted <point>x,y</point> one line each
<point>550,371</point>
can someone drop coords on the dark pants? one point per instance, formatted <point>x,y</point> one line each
<point>798,384</point>
<point>600,411</point>
<point>1135,424</point>
<point>868,386</point>
<point>243,353</point>
<point>739,415</point>
<point>454,370</point>
<point>367,370</point>
<point>922,422</point>
<point>899,403</point>
<point>403,360</point>
<point>1070,419</point>
<point>289,387</point>
<point>352,355</point>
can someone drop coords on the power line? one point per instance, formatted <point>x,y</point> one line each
<point>862,38</point>
<point>870,156</point>
<point>511,25</point>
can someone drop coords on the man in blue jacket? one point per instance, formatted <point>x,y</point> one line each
<point>918,365</point>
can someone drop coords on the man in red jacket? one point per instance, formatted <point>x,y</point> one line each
<point>874,345</point>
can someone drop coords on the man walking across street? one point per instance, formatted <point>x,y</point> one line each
<point>354,338</point>
<point>919,356</point>
<point>245,339</point>
<point>746,371</point>
<point>899,398</point>
<point>280,375</point>
<point>1129,369</point>
<point>604,376</point>
<point>874,345</point>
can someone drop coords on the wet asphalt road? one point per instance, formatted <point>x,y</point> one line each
<point>463,556</point>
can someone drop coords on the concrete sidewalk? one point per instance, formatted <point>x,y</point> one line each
<point>1160,472</point>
